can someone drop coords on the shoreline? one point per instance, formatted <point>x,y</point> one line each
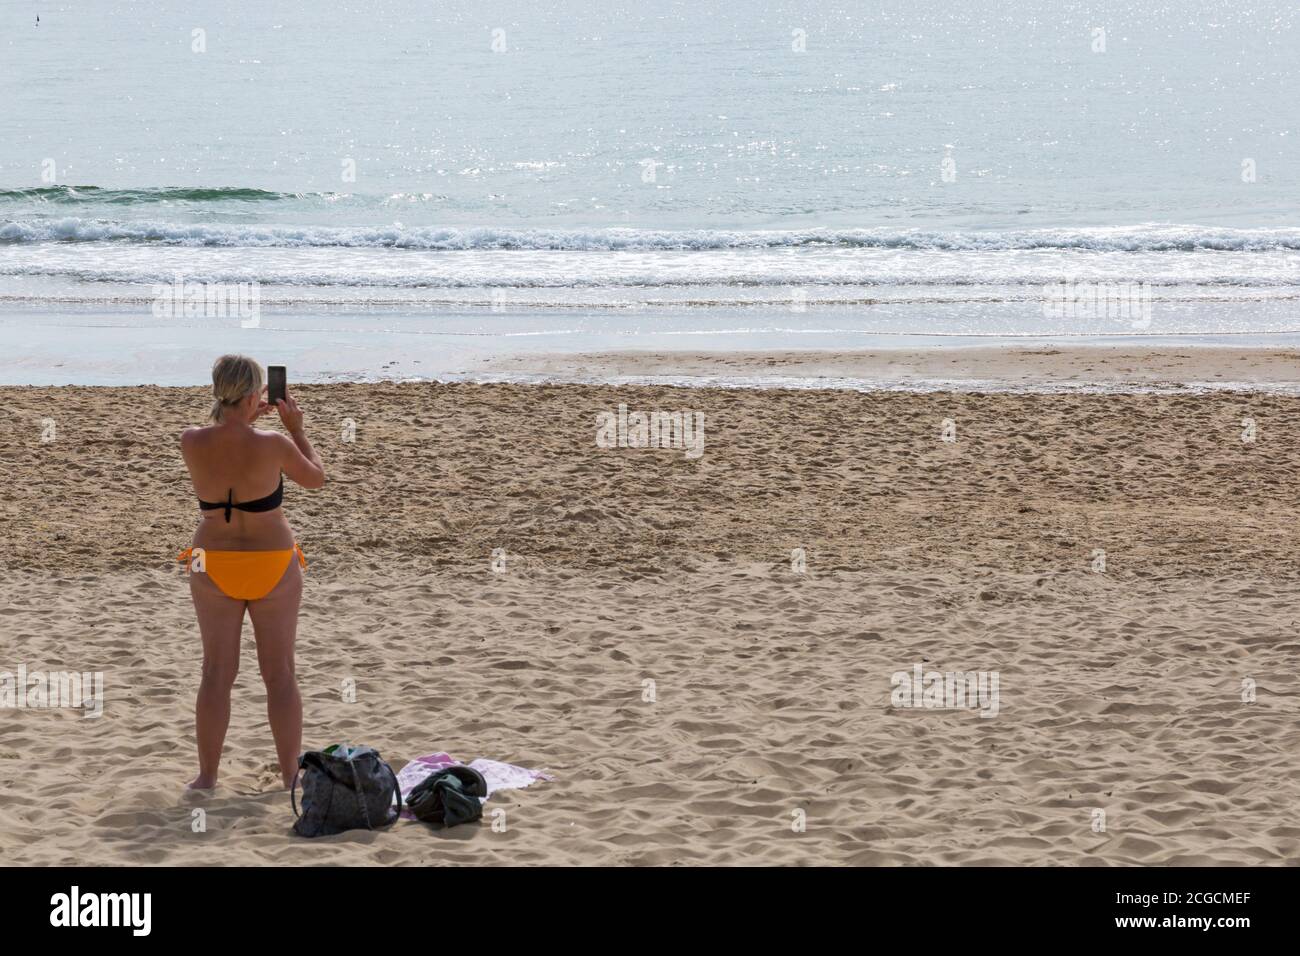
<point>1016,369</point>
<point>96,356</point>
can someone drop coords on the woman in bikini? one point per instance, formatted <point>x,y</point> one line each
<point>243,556</point>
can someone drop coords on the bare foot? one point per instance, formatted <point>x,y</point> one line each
<point>266,777</point>
<point>201,783</point>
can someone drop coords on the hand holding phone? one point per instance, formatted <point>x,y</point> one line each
<point>290,415</point>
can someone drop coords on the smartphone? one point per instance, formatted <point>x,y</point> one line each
<point>275,384</point>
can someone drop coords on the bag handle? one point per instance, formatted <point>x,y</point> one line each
<point>359,794</point>
<point>397,789</point>
<point>302,762</point>
<point>361,800</point>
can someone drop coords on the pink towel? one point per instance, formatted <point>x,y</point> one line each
<point>499,776</point>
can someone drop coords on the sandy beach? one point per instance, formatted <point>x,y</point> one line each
<point>1125,563</point>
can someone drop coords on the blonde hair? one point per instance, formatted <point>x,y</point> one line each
<point>234,378</point>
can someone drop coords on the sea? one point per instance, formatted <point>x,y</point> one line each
<point>417,189</point>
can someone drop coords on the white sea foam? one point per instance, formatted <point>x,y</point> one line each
<point>1145,238</point>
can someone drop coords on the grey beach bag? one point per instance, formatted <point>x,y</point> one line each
<point>344,788</point>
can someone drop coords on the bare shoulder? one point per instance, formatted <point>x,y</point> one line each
<point>278,442</point>
<point>191,436</point>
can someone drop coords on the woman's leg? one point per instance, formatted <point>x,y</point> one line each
<point>221,619</point>
<point>275,625</point>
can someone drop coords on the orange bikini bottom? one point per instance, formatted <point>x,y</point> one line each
<point>242,575</point>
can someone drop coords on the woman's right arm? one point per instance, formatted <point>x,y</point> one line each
<point>300,463</point>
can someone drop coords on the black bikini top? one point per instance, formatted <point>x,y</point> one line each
<point>269,503</point>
